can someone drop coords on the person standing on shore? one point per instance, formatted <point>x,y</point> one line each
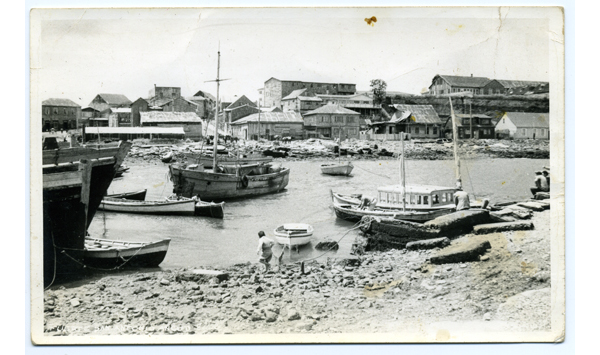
<point>547,176</point>
<point>541,184</point>
<point>461,199</point>
<point>264,250</point>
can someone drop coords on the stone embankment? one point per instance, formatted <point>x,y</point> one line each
<point>319,149</point>
<point>380,291</point>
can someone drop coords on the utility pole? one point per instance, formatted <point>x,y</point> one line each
<point>471,119</point>
<point>258,121</point>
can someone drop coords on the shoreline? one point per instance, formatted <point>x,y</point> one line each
<point>380,291</point>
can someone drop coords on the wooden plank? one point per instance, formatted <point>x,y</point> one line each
<point>59,156</point>
<point>62,179</point>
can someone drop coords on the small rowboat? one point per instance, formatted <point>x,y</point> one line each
<point>149,207</point>
<point>344,168</point>
<point>104,253</point>
<point>346,199</point>
<point>203,208</point>
<point>136,196</point>
<point>293,234</point>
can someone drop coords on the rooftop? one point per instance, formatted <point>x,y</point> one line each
<point>161,116</point>
<point>115,99</point>
<point>464,81</point>
<point>332,109</point>
<point>59,102</point>
<point>416,113</point>
<point>529,119</point>
<point>265,117</point>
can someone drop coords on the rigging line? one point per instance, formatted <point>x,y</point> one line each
<point>54,273</point>
<point>470,181</point>
<point>369,171</point>
<point>356,226</point>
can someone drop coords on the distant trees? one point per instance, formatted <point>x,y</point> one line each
<point>378,87</point>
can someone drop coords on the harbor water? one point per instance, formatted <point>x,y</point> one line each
<point>203,241</point>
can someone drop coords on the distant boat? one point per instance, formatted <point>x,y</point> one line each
<point>104,253</point>
<point>148,207</point>
<point>203,208</point>
<point>344,168</point>
<point>136,195</point>
<point>293,234</point>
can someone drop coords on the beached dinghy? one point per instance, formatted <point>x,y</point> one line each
<point>148,207</point>
<point>293,234</point>
<point>136,195</point>
<point>104,253</point>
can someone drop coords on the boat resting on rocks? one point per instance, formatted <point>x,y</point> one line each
<point>184,207</point>
<point>343,169</point>
<point>203,208</point>
<point>111,254</point>
<point>135,195</point>
<point>216,186</point>
<point>293,234</point>
<point>354,213</point>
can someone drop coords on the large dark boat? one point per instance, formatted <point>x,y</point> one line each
<point>74,182</point>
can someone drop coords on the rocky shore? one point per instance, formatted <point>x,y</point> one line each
<point>319,149</point>
<point>508,289</point>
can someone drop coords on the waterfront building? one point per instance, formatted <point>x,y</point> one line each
<point>275,89</point>
<point>60,114</point>
<point>270,124</point>
<point>102,102</point>
<point>120,117</point>
<point>482,127</point>
<point>191,123</point>
<point>300,102</point>
<point>515,87</point>
<point>331,120</point>
<point>523,125</point>
<point>448,84</point>
<point>419,121</point>
<point>361,103</point>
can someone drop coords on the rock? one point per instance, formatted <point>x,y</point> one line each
<point>259,289</point>
<point>204,275</point>
<point>164,282</point>
<point>428,243</point>
<point>75,302</point>
<point>501,227</point>
<point>270,316</point>
<point>484,258</point>
<point>459,222</point>
<point>534,206</point>
<point>305,325</point>
<point>293,314</point>
<point>466,251</point>
<point>487,316</point>
<point>327,245</point>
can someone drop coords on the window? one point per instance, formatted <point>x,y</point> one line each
<point>443,197</point>
<point>55,111</point>
<point>418,199</point>
<point>64,111</point>
<point>350,120</point>
<point>72,111</point>
<point>416,130</point>
<point>427,130</point>
<point>339,119</point>
<point>47,111</point>
<point>435,130</point>
<point>426,200</point>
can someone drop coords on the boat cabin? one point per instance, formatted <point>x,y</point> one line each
<point>418,197</point>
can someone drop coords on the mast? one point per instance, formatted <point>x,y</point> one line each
<point>259,121</point>
<point>455,142</point>
<point>217,114</point>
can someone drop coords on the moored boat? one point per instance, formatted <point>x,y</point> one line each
<point>203,208</point>
<point>342,168</point>
<point>148,207</point>
<point>293,234</point>
<point>136,195</point>
<point>354,213</point>
<point>105,253</point>
<point>225,160</point>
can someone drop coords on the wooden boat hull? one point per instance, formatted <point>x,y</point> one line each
<point>354,214</point>
<point>149,207</point>
<point>345,199</point>
<point>337,169</point>
<point>210,209</point>
<point>207,161</point>
<point>135,196</point>
<point>104,253</point>
<point>293,234</point>
<point>74,183</point>
<point>209,186</point>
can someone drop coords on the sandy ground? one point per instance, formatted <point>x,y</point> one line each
<point>379,292</point>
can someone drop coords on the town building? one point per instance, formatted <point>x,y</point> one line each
<point>269,125</point>
<point>275,89</point>
<point>514,87</point>
<point>129,133</point>
<point>482,127</point>
<point>60,114</point>
<point>164,92</point>
<point>332,121</point>
<point>139,105</point>
<point>448,84</point>
<point>419,121</point>
<point>361,103</point>
<point>523,125</point>
<point>180,104</point>
<point>191,123</point>
<point>102,102</point>
<point>298,102</point>
<point>120,117</point>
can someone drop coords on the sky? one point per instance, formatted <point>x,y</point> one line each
<point>79,53</point>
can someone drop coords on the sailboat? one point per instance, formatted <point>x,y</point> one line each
<point>417,203</point>
<point>216,184</point>
<point>338,168</point>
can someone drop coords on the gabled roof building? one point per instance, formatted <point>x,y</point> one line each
<point>524,125</point>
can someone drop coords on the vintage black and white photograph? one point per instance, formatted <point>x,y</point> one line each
<point>297,175</point>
